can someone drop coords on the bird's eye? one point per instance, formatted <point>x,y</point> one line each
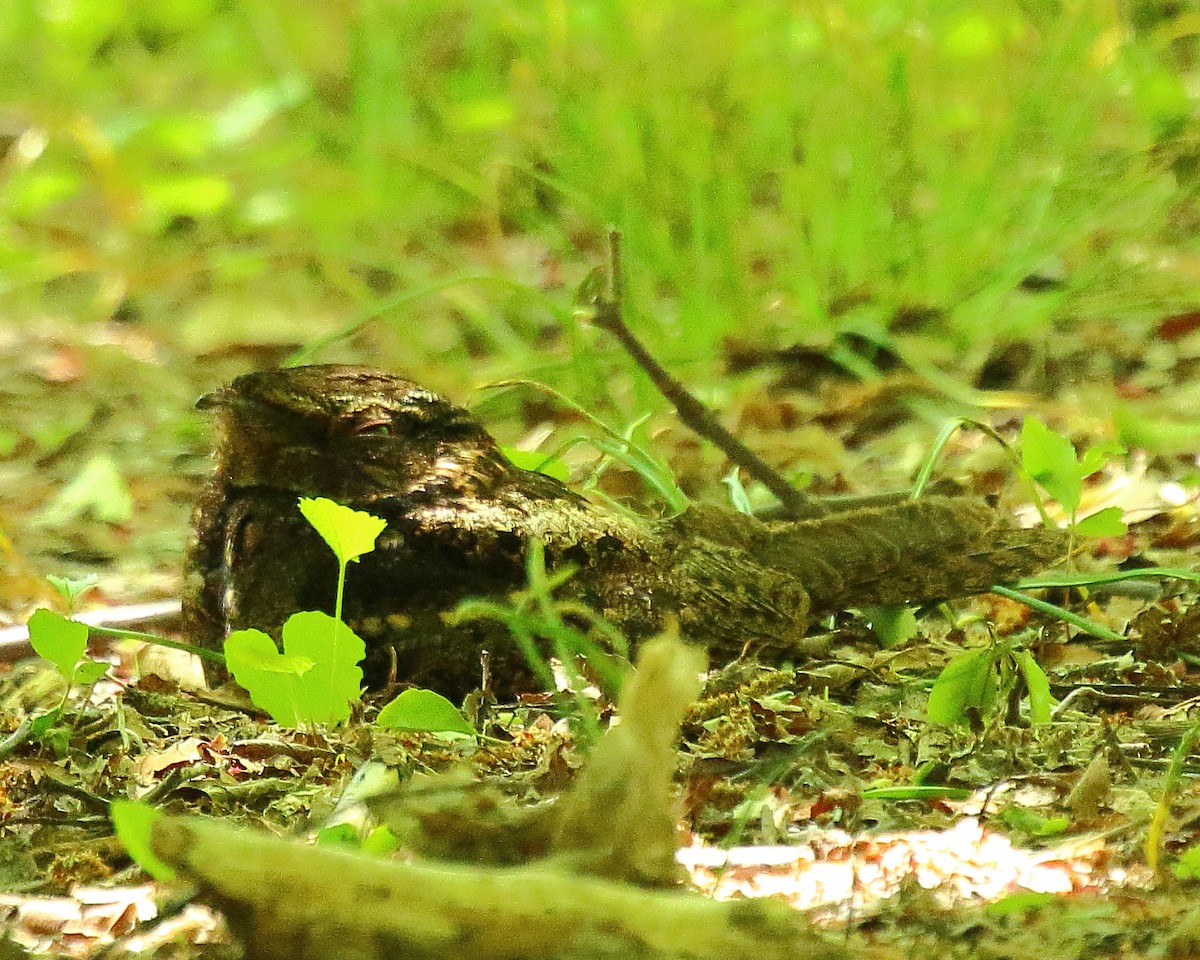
<point>374,428</point>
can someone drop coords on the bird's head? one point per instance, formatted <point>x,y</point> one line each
<point>348,433</point>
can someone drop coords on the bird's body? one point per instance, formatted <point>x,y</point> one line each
<point>460,517</point>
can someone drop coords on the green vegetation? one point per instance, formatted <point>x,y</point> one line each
<point>796,169</point>
<point>349,534</point>
<point>1049,459</point>
<point>537,621</point>
<point>317,676</point>
<point>423,711</point>
<point>845,223</point>
<point>969,685</point>
<point>63,642</point>
<point>133,823</point>
<point>313,680</point>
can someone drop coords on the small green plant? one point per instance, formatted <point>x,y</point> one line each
<point>71,589</point>
<point>63,642</point>
<point>349,533</point>
<point>535,614</point>
<point>317,676</point>
<point>377,842</point>
<point>423,711</point>
<point>1049,459</point>
<point>893,625</point>
<point>1157,830</point>
<point>971,682</point>
<point>313,680</point>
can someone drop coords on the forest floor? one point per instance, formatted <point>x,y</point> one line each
<point>821,782</point>
<point>847,226</point>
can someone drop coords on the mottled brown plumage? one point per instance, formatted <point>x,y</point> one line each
<point>460,517</point>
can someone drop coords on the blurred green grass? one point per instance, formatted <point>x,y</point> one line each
<point>224,172</point>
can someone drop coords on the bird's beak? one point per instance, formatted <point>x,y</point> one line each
<point>218,398</point>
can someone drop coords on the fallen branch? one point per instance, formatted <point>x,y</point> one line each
<point>614,833</point>
<point>288,901</point>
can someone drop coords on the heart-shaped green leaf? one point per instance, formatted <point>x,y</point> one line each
<point>350,533</point>
<point>425,711</point>
<point>61,641</point>
<point>271,678</point>
<point>335,652</point>
<point>969,680</point>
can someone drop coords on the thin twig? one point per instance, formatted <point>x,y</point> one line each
<point>691,411</point>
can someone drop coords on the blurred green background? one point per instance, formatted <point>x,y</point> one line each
<point>225,173</point>
<point>992,194</point>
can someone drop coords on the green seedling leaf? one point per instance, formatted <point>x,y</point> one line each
<point>71,589</point>
<point>969,680</point>
<point>350,533</point>
<point>537,462</point>
<point>97,490</point>
<point>916,793</point>
<point>1032,823</point>
<point>43,725</point>
<point>737,491</point>
<point>335,680</point>
<point>339,835</point>
<point>61,641</point>
<point>893,625</point>
<point>271,679</point>
<point>1102,523</point>
<point>1187,867</point>
<point>89,672</point>
<point>1049,458</point>
<point>312,681</point>
<point>134,826</point>
<point>248,650</point>
<point>1095,457</point>
<point>1040,701</point>
<point>380,842</point>
<point>423,711</point>
<point>1021,902</point>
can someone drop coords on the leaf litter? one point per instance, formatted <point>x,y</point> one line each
<point>770,757</point>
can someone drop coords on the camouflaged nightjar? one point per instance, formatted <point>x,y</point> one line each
<point>460,518</point>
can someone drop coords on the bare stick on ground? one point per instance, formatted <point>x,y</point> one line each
<point>696,415</point>
<point>287,900</point>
